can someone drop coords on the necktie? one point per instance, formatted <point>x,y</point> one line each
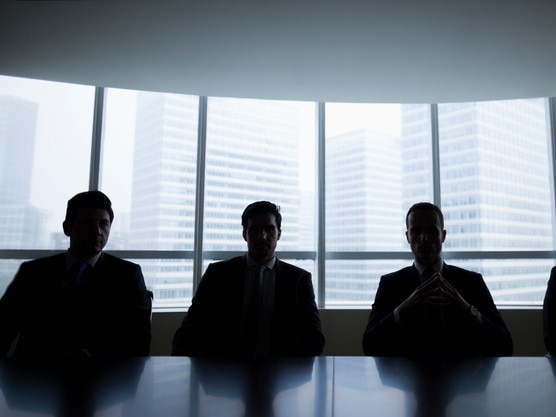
<point>435,331</point>
<point>262,268</point>
<point>256,292</point>
<point>252,309</point>
<point>79,276</point>
<point>262,339</point>
<point>74,279</point>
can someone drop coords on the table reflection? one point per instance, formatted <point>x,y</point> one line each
<point>435,384</point>
<point>257,384</point>
<point>299,387</point>
<point>67,388</point>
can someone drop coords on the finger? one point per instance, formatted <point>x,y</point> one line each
<point>430,283</point>
<point>446,286</point>
<point>452,298</point>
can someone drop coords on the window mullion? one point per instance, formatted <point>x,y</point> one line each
<point>551,122</point>
<point>200,192</point>
<point>96,140</point>
<point>321,245</point>
<point>435,142</point>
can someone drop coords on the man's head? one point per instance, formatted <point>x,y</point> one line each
<point>262,223</point>
<point>89,216</point>
<point>425,232</point>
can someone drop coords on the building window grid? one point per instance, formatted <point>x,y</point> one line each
<point>313,256</point>
<point>378,255</point>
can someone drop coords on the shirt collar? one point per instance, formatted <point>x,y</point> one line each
<point>251,262</point>
<point>421,268</point>
<point>71,260</point>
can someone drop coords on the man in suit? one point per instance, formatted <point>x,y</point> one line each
<point>549,314</point>
<point>80,304</point>
<point>432,309</point>
<point>253,305</point>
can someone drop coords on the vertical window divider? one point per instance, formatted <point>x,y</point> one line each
<point>200,192</point>
<point>435,138</point>
<point>551,122</point>
<point>321,207</point>
<point>96,139</point>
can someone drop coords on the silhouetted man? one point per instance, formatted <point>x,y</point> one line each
<point>255,304</point>
<point>82,303</point>
<point>431,308</point>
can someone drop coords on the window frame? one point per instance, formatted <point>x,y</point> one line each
<point>319,256</point>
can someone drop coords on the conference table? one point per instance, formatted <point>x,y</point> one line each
<point>293,387</point>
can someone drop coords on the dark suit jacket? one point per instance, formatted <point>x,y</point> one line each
<point>549,314</point>
<point>435,332</point>
<point>211,327</point>
<point>109,316</point>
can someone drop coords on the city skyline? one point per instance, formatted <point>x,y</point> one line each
<point>494,166</point>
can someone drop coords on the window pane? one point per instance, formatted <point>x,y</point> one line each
<point>354,282</point>
<point>45,142</point>
<point>170,280</point>
<point>496,183</point>
<point>378,162</point>
<point>164,172</point>
<point>512,281</point>
<point>259,150</point>
<point>8,268</point>
<point>116,178</point>
<point>149,171</point>
<point>495,175</point>
<point>363,176</point>
<point>416,151</point>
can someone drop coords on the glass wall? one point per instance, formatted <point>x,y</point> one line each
<point>495,176</point>
<point>180,173</point>
<point>45,145</point>
<point>149,167</point>
<point>259,150</point>
<point>378,161</point>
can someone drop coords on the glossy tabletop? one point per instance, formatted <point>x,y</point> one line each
<point>295,387</point>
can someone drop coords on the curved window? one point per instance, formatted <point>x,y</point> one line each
<point>180,169</point>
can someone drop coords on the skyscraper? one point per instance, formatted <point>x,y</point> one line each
<point>18,119</point>
<point>252,153</point>
<point>21,226</point>
<point>495,185</point>
<point>495,192</point>
<point>363,210</point>
<point>163,190</point>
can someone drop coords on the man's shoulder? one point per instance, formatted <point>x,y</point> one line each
<point>458,271</point>
<point>114,260</point>
<point>284,264</point>
<point>226,274</point>
<point>235,262</point>
<point>399,274</point>
<point>41,271</point>
<point>46,261</point>
<point>112,265</point>
<point>290,269</point>
<point>233,267</point>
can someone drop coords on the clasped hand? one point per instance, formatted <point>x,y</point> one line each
<point>434,291</point>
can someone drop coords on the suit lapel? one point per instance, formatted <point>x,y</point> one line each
<point>415,278</point>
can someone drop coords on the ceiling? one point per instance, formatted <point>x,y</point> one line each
<point>315,50</point>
